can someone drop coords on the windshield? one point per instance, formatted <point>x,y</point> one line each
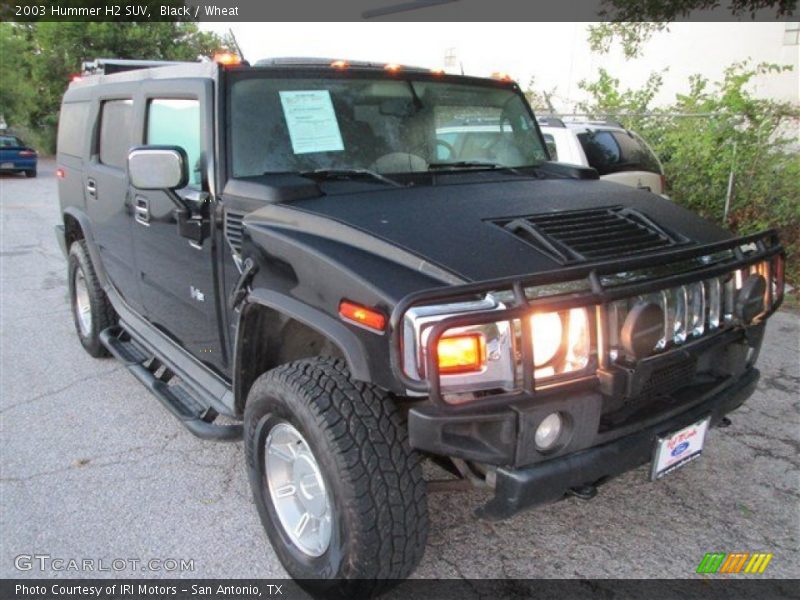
<point>383,125</point>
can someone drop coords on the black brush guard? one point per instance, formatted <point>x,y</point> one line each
<point>497,429</point>
<point>767,246</point>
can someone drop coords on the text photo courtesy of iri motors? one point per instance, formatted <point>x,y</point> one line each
<point>403,309</point>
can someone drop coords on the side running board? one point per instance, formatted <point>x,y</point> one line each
<point>177,397</point>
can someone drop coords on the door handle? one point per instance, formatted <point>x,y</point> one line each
<point>91,188</point>
<point>142,210</point>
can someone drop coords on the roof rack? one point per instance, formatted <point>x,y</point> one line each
<point>550,121</point>
<point>107,66</point>
<point>596,122</point>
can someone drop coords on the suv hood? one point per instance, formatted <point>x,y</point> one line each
<point>459,227</point>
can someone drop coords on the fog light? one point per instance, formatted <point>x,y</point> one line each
<point>549,431</point>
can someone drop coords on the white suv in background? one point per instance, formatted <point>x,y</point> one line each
<point>618,154</point>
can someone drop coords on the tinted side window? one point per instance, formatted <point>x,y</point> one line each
<point>636,152</point>
<point>175,122</point>
<point>615,151</point>
<point>72,128</point>
<point>601,150</point>
<point>116,132</point>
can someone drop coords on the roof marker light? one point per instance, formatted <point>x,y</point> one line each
<point>437,71</point>
<point>392,67</point>
<point>500,76</point>
<point>227,59</point>
<point>340,64</point>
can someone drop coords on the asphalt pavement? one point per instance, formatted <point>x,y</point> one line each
<point>92,467</point>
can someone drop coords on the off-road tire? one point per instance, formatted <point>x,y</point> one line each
<point>103,314</point>
<point>360,441</point>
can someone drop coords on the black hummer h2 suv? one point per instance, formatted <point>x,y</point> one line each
<point>357,266</point>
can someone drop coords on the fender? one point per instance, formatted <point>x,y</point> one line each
<point>333,329</point>
<point>83,220</point>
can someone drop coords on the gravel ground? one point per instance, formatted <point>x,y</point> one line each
<point>93,467</point>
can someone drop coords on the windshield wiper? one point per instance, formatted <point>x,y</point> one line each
<point>472,164</point>
<point>345,173</point>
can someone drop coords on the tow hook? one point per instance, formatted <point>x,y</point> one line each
<point>583,492</point>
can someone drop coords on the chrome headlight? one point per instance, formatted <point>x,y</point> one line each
<point>472,358</point>
<point>562,342</point>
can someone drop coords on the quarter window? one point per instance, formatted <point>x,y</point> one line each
<point>176,122</point>
<point>116,132</point>
<point>72,128</point>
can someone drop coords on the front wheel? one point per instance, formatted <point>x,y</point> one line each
<point>339,491</point>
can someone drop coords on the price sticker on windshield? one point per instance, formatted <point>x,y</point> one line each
<point>311,121</point>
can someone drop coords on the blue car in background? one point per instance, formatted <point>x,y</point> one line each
<point>16,157</point>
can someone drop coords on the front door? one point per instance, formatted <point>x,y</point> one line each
<point>177,276</point>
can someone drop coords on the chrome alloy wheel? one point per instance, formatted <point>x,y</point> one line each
<point>83,306</point>
<point>297,489</point>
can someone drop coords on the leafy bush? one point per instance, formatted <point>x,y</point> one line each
<point>712,131</point>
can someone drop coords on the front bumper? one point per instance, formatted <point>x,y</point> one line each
<point>518,489</point>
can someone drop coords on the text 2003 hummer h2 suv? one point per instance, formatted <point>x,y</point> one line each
<point>296,245</point>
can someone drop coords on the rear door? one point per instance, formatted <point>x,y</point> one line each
<point>105,188</point>
<point>177,275</point>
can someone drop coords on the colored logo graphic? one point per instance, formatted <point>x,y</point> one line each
<point>680,448</point>
<point>738,562</point>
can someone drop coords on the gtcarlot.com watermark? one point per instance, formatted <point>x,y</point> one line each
<point>46,563</point>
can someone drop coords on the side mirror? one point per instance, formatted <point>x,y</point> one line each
<point>158,167</point>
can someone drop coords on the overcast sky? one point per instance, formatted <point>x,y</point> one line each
<point>556,54</point>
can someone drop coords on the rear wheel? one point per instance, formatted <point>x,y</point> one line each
<point>91,309</point>
<point>30,173</point>
<point>338,489</point>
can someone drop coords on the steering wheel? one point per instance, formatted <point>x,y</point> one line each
<point>451,152</point>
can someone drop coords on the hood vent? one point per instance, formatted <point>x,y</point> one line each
<point>592,234</point>
<point>233,230</point>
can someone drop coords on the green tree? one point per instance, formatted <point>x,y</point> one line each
<point>44,56</point>
<point>633,22</point>
<point>16,92</point>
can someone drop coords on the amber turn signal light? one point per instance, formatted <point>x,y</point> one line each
<point>461,353</point>
<point>361,315</point>
<point>227,58</point>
